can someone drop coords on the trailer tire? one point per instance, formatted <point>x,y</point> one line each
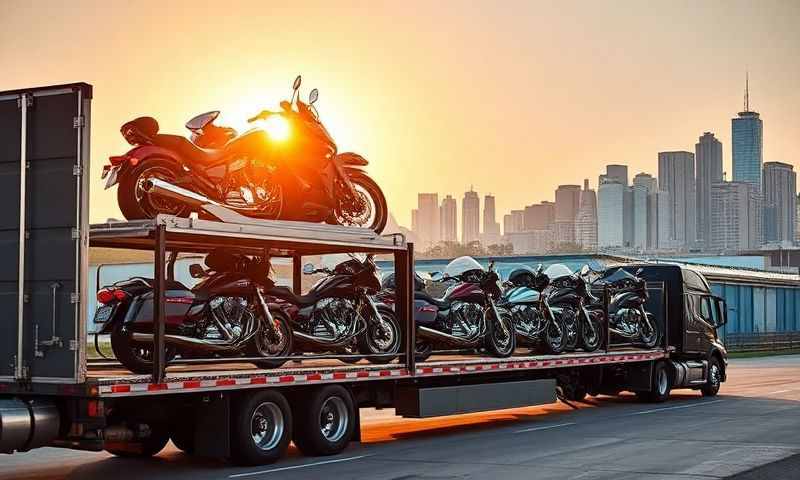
<point>661,385</point>
<point>325,422</point>
<point>261,428</point>
<point>711,388</point>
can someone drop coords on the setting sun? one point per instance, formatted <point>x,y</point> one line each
<point>276,126</point>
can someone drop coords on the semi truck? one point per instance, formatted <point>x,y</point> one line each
<point>52,394</point>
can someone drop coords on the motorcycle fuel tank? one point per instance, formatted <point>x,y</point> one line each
<point>465,292</point>
<point>522,295</point>
<point>424,312</point>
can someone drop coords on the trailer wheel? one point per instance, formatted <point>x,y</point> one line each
<point>261,428</point>
<point>325,422</point>
<point>661,385</point>
<point>144,448</point>
<point>711,388</point>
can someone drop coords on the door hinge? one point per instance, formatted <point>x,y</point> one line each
<point>79,121</point>
<point>76,233</point>
<point>74,345</point>
<point>75,297</point>
<point>77,170</point>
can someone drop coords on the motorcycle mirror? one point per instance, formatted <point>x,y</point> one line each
<point>434,274</point>
<point>639,271</point>
<point>313,97</point>
<point>196,271</point>
<point>296,84</point>
<point>539,268</point>
<point>585,270</point>
<point>308,268</point>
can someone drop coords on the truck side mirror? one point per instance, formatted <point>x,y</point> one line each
<point>722,311</point>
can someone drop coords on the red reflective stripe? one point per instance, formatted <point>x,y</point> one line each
<point>339,375</point>
<point>258,380</point>
<point>314,376</point>
<point>156,387</point>
<point>224,382</point>
<point>286,378</point>
<point>191,384</point>
<point>120,388</point>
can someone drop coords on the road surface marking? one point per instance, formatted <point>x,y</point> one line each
<point>545,427</point>
<point>700,404</point>
<point>294,467</point>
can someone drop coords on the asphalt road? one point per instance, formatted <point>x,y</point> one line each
<point>754,422</point>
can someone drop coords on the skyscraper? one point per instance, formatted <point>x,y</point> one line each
<point>676,176</point>
<point>568,200</point>
<point>470,217</point>
<point>620,172</point>
<point>586,221</point>
<point>637,212</point>
<point>735,216</point>
<point>610,219</point>
<point>779,192</point>
<point>426,227</point>
<point>649,184</point>
<point>747,136</point>
<point>708,154</point>
<point>539,216</point>
<point>514,222</point>
<point>448,218</point>
<point>491,229</point>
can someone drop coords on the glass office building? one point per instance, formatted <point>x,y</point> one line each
<point>747,135</point>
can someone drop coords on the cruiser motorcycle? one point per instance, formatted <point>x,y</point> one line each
<point>627,317</point>
<point>340,315</point>
<point>571,296</point>
<point>466,317</point>
<point>226,314</point>
<point>286,168</point>
<point>535,321</point>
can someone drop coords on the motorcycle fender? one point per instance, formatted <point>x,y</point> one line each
<point>351,160</point>
<point>424,313</point>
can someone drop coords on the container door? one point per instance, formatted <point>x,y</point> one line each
<point>44,139</point>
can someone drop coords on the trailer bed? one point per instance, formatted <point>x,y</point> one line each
<point>117,382</point>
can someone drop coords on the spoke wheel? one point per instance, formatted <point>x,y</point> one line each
<point>272,341</point>
<point>368,209</point>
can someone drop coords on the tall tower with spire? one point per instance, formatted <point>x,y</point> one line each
<point>747,137</point>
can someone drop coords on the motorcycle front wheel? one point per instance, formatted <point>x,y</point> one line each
<point>369,210</point>
<point>268,343</point>
<point>501,339</point>
<point>555,336</point>
<point>591,336</point>
<point>571,324</point>
<point>135,203</point>
<point>382,338</point>
<point>648,331</point>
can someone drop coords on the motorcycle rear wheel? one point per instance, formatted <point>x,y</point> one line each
<point>263,344</point>
<point>135,204</point>
<point>138,358</point>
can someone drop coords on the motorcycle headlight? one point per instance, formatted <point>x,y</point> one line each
<point>277,127</point>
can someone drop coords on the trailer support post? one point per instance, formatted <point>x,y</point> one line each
<point>297,272</point>
<point>159,303</point>
<point>607,322</point>
<point>403,273</point>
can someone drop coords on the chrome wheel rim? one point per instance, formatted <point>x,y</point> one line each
<point>267,426</point>
<point>714,376</point>
<point>383,336</point>
<point>270,344</point>
<point>362,212</point>
<point>333,419</point>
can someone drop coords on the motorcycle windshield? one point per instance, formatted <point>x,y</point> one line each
<point>461,265</point>
<point>557,270</point>
<point>517,269</point>
<point>617,275</point>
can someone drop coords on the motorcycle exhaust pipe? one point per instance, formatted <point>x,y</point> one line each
<point>191,343</point>
<point>304,337</point>
<point>158,187</point>
<point>437,336</point>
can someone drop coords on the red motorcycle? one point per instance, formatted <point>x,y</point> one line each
<point>287,168</point>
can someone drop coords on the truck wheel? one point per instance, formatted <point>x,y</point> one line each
<point>261,428</point>
<point>325,421</point>
<point>661,385</point>
<point>144,448</point>
<point>711,388</point>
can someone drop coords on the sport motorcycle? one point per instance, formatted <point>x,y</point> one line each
<point>286,168</point>
<point>339,313</point>
<point>226,314</point>
<point>535,321</point>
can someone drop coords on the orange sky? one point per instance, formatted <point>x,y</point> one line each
<point>513,97</point>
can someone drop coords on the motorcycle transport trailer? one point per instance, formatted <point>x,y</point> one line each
<point>50,395</point>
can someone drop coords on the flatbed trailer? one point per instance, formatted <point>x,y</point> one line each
<point>51,395</point>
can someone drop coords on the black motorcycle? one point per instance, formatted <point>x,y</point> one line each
<point>226,315</point>
<point>584,326</point>
<point>627,317</point>
<point>340,315</point>
<point>286,168</point>
<point>535,322</point>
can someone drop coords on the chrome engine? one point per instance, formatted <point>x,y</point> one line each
<point>334,318</point>
<point>528,320</point>
<point>230,317</point>
<point>466,319</point>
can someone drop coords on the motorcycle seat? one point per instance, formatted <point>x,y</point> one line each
<point>439,302</point>
<point>187,150</point>
<point>287,294</point>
